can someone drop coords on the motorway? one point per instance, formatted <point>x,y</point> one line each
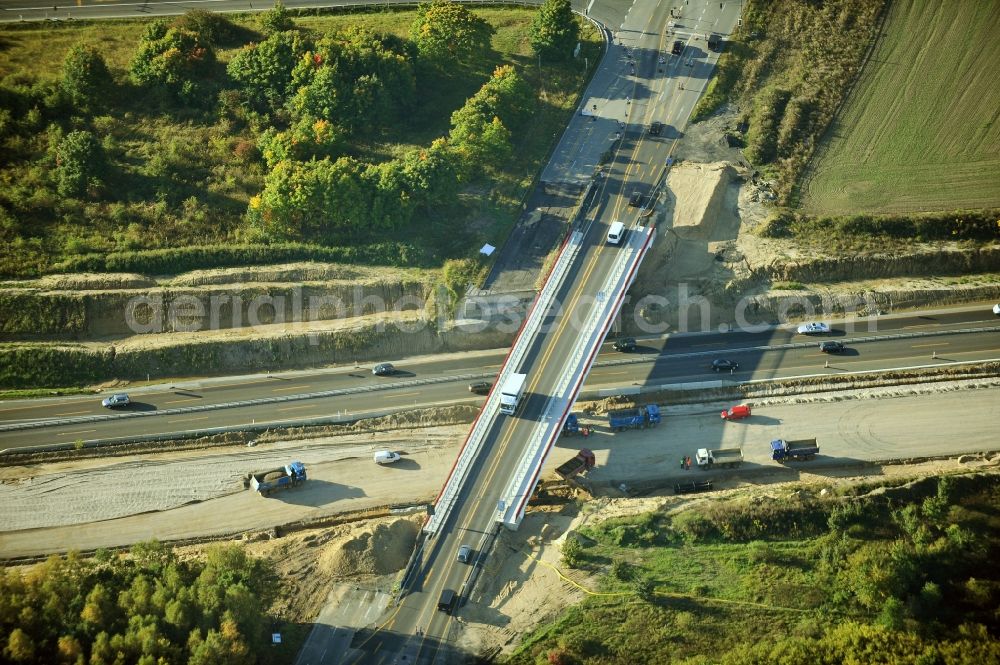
<point>443,380</point>
<point>60,10</point>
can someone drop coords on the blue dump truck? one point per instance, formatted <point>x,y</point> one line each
<point>287,476</point>
<point>571,426</point>
<point>638,418</point>
<point>797,450</point>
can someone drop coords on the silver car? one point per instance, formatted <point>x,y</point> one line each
<point>116,401</point>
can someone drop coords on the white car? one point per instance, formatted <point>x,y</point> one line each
<point>386,457</point>
<point>996,309</point>
<point>812,328</point>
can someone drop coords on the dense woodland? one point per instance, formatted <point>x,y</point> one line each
<point>148,608</point>
<point>264,134</point>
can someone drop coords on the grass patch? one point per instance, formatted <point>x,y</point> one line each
<point>920,130</point>
<point>788,286</point>
<point>818,597</point>
<point>881,233</point>
<point>788,68</point>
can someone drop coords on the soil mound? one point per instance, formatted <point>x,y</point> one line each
<point>374,548</point>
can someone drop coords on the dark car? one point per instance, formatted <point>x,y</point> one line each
<point>625,344</point>
<point>383,369</point>
<point>480,387</point>
<point>721,364</point>
<point>831,347</point>
<point>655,129</point>
<point>635,200</point>
<point>678,47</point>
<point>714,42</point>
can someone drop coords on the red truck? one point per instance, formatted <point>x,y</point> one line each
<point>583,461</point>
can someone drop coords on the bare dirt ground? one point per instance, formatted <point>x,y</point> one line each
<point>188,494</point>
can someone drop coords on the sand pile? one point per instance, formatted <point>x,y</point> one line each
<point>372,548</point>
<point>700,190</point>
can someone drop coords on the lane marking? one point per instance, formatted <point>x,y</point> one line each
<point>294,408</point>
<point>920,346</point>
<point>181,401</point>
<point>72,413</point>
<point>82,431</point>
<point>277,390</point>
<point>187,420</point>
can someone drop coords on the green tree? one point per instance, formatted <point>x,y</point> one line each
<point>264,70</point>
<point>355,79</point>
<point>320,200</point>
<point>277,19</point>
<point>211,28</point>
<point>555,31</point>
<point>80,164</point>
<point>177,60</point>
<point>446,33</point>
<point>86,80</point>
<point>20,647</point>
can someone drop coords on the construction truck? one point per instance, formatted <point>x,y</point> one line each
<point>638,418</point>
<point>583,461</point>
<point>718,457</point>
<point>797,450</point>
<point>284,477</point>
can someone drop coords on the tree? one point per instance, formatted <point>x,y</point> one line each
<point>177,60</point>
<point>555,30</point>
<point>277,19</point>
<point>320,200</point>
<point>20,647</point>
<point>264,70</point>
<point>446,32</point>
<point>85,77</point>
<point>80,164</point>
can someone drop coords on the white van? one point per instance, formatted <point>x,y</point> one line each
<point>616,232</point>
<point>386,457</point>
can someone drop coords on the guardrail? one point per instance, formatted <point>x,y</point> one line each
<point>510,510</point>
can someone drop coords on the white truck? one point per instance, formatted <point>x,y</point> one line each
<point>719,457</point>
<point>511,393</point>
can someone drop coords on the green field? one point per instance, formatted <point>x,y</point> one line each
<point>920,130</point>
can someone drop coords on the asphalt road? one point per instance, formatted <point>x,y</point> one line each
<point>657,361</point>
<point>60,10</point>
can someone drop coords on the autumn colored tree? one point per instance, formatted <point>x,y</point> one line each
<point>446,33</point>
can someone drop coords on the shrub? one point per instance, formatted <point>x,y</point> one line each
<point>80,164</point>
<point>447,33</point>
<point>86,80</point>
<point>277,19</point>
<point>572,552</point>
